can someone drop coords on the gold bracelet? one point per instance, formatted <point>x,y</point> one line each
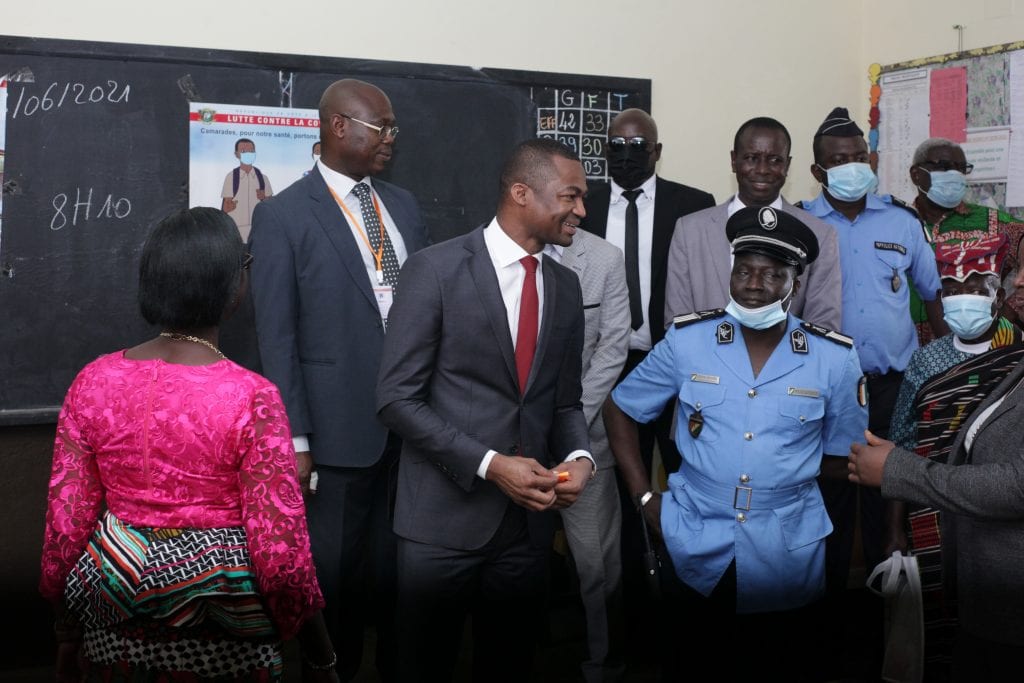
<point>322,667</point>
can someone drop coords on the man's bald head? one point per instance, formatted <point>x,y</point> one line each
<point>342,95</point>
<point>634,119</point>
<point>350,112</point>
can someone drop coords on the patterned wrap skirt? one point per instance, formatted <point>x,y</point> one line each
<point>171,605</point>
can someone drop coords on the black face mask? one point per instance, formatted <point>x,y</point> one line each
<point>629,167</point>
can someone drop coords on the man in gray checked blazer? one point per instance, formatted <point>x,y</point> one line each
<point>593,524</point>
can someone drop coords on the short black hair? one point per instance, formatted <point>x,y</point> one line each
<point>313,148</point>
<point>762,122</point>
<point>241,140</point>
<point>190,269</point>
<point>530,161</point>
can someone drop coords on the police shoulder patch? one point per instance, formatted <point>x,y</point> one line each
<point>820,331</point>
<point>690,318</point>
<point>896,201</point>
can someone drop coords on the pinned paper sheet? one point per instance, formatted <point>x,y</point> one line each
<point>904,111</point>
<point>1015,175</point>
<point>948,99</point>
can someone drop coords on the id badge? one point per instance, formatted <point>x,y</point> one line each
<point>385,296</point>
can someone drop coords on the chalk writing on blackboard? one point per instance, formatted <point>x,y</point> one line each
<point>55,97</point>
<point>82,208</point>
<point>579,119</point>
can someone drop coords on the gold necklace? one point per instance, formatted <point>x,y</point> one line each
<point>188,337</point>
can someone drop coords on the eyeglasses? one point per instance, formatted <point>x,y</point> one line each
<point>619,143</point>
<point>945,165</point>
<point>246,261</point>
<point>383,131</point>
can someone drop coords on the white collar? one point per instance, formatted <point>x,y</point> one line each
<point>647,189</point>
<point>503,249</point>
<point>339,182</point>
<point>736,204</point>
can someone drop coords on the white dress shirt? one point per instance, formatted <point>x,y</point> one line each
<point>615,232</point>
<point>342,186</point>
<point>505,254</point>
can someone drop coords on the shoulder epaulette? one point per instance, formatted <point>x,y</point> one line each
<point>690,318</point>
<point>896,201</point>
<point>837,337</point>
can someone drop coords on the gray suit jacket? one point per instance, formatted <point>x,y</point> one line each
<point>981,496</point>
<point>699,268</point>
<point>602,273</point>
<point>448,386</point>
<point>317,320</point>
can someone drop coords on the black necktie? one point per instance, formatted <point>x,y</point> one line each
<point>389,262</point>
<point>636,308</point>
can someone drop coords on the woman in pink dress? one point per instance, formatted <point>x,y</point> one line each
<point>176,546</point>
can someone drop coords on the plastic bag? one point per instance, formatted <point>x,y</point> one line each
<point>900,585</point>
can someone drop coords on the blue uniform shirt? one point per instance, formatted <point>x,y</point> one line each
<point>882,242</point>
<point>751,449</point>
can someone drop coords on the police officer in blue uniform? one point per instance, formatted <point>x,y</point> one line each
<point>762,396</point>
<point>883,253</point>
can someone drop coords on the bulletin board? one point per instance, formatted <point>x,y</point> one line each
<point>974,97</point>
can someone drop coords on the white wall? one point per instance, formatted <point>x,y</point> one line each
<point>712,64</point>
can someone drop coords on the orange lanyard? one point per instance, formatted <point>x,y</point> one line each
<point>378,253</point>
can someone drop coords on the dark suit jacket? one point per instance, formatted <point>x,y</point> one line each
<point>982,502</point>
<point>448,387</point>
<point>318,324</point>
<point>671,200</point>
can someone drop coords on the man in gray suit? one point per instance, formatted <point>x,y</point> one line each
<point>593,524</point>
<point>480,375</point>
<point>326,256</point>
<point>699,260</point>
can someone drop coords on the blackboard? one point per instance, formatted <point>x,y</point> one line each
<point>97,149</point>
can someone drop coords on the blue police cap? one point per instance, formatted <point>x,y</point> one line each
<point>776,234</point>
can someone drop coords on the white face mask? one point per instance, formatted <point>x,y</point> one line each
<point>968,315</point>
<point>759,318</point>
<point>316,158</point>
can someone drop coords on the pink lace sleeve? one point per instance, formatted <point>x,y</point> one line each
<point>74,501</point>
<point>275,516</point>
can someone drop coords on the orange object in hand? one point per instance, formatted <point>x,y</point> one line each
<point>564,476</point>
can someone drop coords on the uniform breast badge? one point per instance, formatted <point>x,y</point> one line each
<point>724,333</point>
<point>895,281</point>
<point>696,424</point>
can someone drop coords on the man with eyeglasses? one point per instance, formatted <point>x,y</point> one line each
<point>939,171</point>
<point>328,250</point>
<point>884,256</point>
<point>637,212</point>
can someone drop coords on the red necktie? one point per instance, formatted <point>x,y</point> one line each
<point>526,337</point>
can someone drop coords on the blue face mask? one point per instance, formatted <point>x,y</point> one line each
<point>968,315</point>
<point>247,158</point>
<point>948,188</point>
<point>850,182</point>
<point>759,318</point>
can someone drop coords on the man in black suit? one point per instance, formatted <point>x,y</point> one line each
<point>326,256</point>
<point>480,375</point>
<point>632,151</point>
